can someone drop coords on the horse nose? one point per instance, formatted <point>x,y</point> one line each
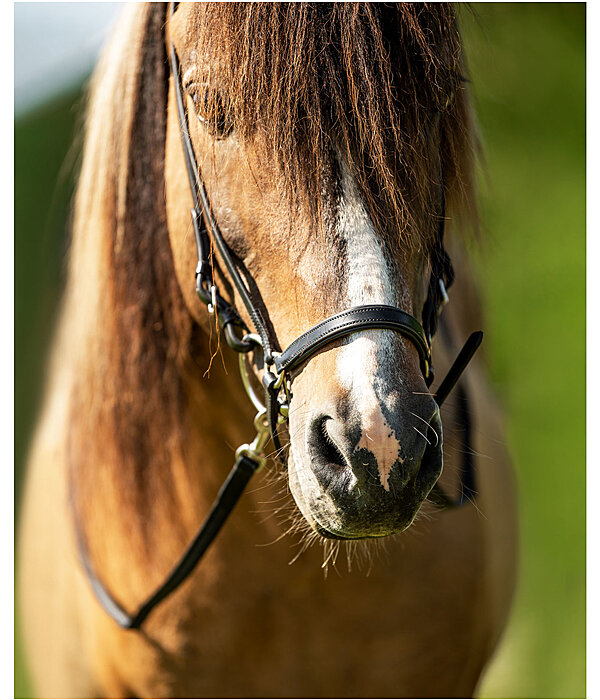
<point>374,450</point>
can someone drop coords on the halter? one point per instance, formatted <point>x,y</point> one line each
<point>274,410</point>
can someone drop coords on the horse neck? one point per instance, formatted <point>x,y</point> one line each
<point>151,432</point>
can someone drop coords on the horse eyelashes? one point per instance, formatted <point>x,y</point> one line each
<point>211,110</point>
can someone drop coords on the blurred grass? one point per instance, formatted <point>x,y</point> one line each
<point>45,162</point>
<point>527,66</point>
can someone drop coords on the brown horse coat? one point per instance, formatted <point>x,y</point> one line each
<point>134,441</point>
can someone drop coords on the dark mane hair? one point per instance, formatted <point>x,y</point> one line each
<point>383,84</point>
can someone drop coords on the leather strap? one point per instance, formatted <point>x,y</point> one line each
<point>228,496</point>
<point>202,212</point>
<point>442,272</point>
<point>347,322</point>
<point>468,489</point>
<point>458,366</point>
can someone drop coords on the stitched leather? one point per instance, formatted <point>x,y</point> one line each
<point>350,321</point>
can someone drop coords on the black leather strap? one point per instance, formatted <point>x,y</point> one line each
<point>468,488</point>
<point>442,273</point>
<point>202,212</point>
<point>458,366</point>
<point>347,322</point>
<point>272,405</point>
<point>225,502</point>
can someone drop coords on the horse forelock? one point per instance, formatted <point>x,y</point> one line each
<point>307,81</point>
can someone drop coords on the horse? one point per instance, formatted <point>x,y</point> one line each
<point>335,143</point>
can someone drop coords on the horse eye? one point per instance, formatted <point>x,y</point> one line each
<point>211,111</point>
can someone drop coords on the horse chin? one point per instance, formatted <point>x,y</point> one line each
<point>353,517</point>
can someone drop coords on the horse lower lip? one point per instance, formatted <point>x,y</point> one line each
<point>329,535</point>
<point>324,532</point>
<point>363,529</point>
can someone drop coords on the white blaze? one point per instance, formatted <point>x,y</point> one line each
<point>368,275</point>
<point>368,282</point>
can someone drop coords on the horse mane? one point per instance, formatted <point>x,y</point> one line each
<point>126,328</point>
<point>380,83</point>
<point>306,79</point>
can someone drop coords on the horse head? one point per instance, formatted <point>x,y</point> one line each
<point>327,139</point>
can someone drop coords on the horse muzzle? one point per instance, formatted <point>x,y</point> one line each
<point>362,466</point>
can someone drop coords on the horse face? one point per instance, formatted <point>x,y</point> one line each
<point>365,434</point>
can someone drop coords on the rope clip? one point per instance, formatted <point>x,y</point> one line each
<point>256,449</point>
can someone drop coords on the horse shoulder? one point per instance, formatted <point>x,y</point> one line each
<point>50,587</point>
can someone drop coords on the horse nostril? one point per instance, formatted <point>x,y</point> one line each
<point>329,452</point>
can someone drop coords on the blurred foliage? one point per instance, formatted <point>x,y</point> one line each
<point>46,158</point>
<point>527,66</point>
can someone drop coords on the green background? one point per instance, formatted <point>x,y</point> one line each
<point>527,65</point>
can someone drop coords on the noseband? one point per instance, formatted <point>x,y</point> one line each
<point>278,365</point>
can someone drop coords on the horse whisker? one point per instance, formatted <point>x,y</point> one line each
<point>430,427</point>
<point>421,434</point>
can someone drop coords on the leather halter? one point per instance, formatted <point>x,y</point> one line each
<point>250,458</point>
<point>336,326</point>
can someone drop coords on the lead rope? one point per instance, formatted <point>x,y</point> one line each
<point>245,466</point>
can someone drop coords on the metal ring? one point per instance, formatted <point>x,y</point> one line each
<point>253,339</point>
<point>247,374</point>
<point>234,342</point>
